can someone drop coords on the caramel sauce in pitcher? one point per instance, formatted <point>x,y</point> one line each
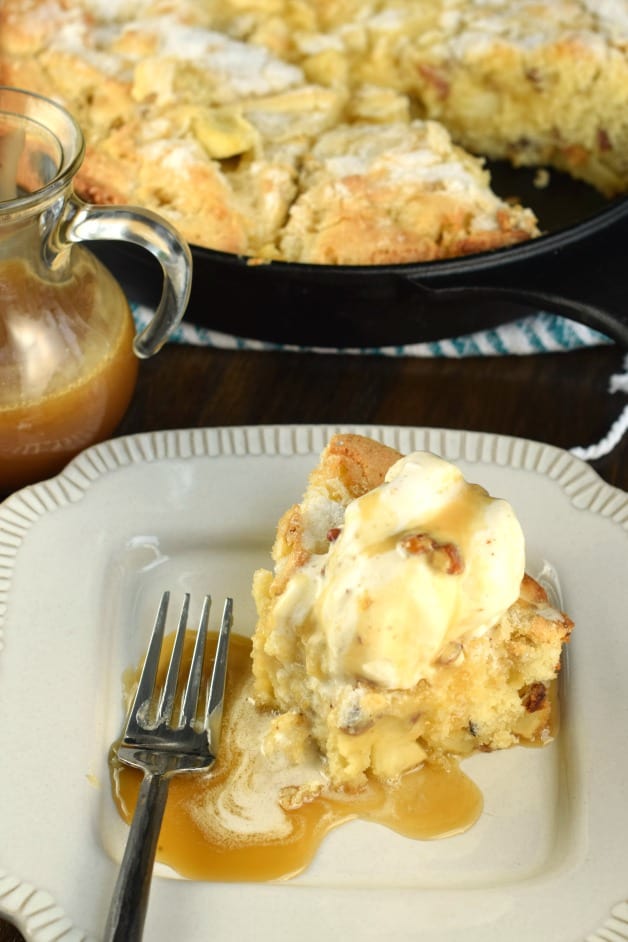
<point>236,822</point>
<point>67,367</point>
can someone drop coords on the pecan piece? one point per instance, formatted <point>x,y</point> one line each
<point>603,140</point>
<point>416,543</point>
<point>450,559</point>
<point>434,77</point>
<point>534,696</point>
<point>444,556</point>
<point>450,653</point>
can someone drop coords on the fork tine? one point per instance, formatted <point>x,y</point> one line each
<point>166,700</point>
<point>148,676</point>
<point>216,692</point>
<point>193,685</point>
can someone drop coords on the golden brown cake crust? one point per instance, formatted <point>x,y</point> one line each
<point>357,462</point>
<point>349,466</point>
<point>400,192</point>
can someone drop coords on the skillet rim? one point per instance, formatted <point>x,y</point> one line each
<point>529,249</point>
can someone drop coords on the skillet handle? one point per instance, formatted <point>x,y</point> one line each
<point>580,273</point>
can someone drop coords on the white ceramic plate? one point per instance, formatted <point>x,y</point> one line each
<point>83,559</point>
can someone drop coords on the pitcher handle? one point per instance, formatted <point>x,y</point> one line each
<point>87,222</point>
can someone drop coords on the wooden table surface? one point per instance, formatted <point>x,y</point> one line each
<point>562,399</point>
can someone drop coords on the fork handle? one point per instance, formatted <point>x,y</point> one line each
<point>129,902</point>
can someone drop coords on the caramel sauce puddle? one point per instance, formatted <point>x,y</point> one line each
<point>431,802</point>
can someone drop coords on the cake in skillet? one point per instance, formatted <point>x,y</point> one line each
<point>326,132</point>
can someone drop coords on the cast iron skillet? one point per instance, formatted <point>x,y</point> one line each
<point>578,268</point>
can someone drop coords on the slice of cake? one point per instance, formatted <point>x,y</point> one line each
<point>539,84</point>
<point>398,625</point>
<point>374,194</point>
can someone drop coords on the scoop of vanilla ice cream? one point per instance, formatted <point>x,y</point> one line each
<point>421,563</point>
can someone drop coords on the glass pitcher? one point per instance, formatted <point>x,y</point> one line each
<point>68,350</point>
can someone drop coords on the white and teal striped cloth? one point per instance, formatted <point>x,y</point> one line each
<point>541,333</point>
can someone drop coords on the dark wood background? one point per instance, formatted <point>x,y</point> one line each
<point>562,399</point>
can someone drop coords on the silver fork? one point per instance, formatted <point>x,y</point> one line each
<point>162,745</point>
